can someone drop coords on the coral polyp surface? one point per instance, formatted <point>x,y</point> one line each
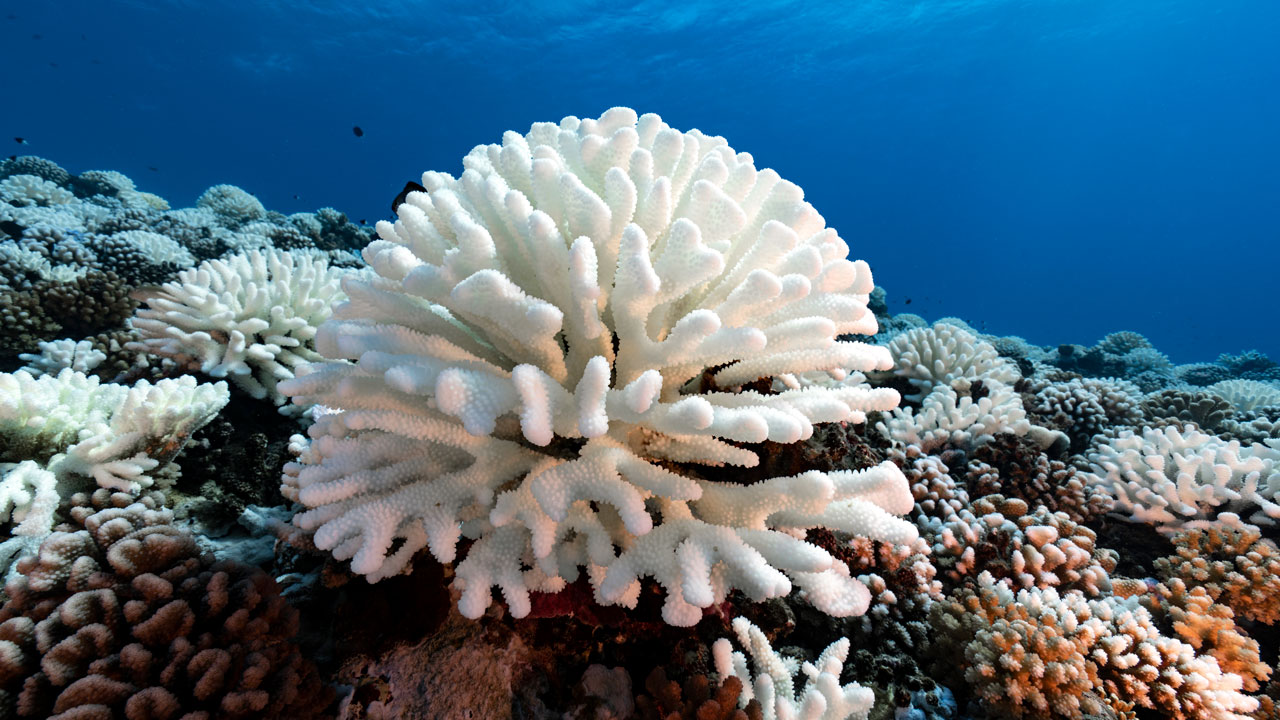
<point>554,337</point>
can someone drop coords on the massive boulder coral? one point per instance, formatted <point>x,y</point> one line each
<point>553,339</point>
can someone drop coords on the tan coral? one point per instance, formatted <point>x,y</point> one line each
<point>1210,628</point>
<point>1041,653</point>
<point>1233,563</point>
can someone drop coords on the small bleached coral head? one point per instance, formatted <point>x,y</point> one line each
<point>547,335</point>
<point>948,354</point>
<point>772,684</point>
<point>232,204</point>
<point>250,317</point>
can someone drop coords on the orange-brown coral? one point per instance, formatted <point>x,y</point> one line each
<point>667,700</point>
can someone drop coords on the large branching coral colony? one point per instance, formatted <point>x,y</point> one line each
<point>538,375</point>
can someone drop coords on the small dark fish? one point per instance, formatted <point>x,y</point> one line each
<point>21,141</point>
<point>908,302</point>
<point>35,37</point>
<point>362,222</point>
<point>356,129</point>
<point>82,37</point>
<point>53,64</point>
<point>11,16</point>
<point>409,187</point>
<point>295,197</point>
<point>13,157</point>
<point>153,169</point>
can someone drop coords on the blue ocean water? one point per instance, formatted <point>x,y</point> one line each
<point>1056,169</point>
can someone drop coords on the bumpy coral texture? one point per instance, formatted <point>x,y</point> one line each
<point>1083,407</point>
<point>1044,654</point>
<point>1021,547</point>
<point>249,318</point>
<point>949,418</point>
<point>120,617</point>
<point>1210,628</point>
<point>1015,467</point>
<point>1246,394</point>
<point>551,334</point>
<point>1231,562</point>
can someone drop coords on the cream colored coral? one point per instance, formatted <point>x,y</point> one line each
<point>1246,395</point>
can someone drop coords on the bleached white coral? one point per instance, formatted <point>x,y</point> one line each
<point>27,190</point>
<point>115,434</point>
<point>148,425</point>
<point>249,317</point>
<point>28,497</point>
<point>58,355</point>
<point>773,685</point>
<point>947,418</point>
<point>584,302</point>
<point>1173,478</point>
<point>947,354</point>
<point>1245,395</point>
<point>232,204</point>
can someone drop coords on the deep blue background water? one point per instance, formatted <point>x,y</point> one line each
<point>1055,169</point>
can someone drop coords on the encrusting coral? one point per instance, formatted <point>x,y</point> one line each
<point>528,368</point>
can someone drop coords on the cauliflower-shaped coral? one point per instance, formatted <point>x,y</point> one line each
<point>548,334</point>
<point>233,205</point>
<point>946,417</point>
<point>250,317</point>
<point>27,190</point>
<point>1083,407</point>
<point>57,355</point>
<point>1246,394</point>
<point>947,354</point>
<point>120,616</point>
<point>1231,562</point>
